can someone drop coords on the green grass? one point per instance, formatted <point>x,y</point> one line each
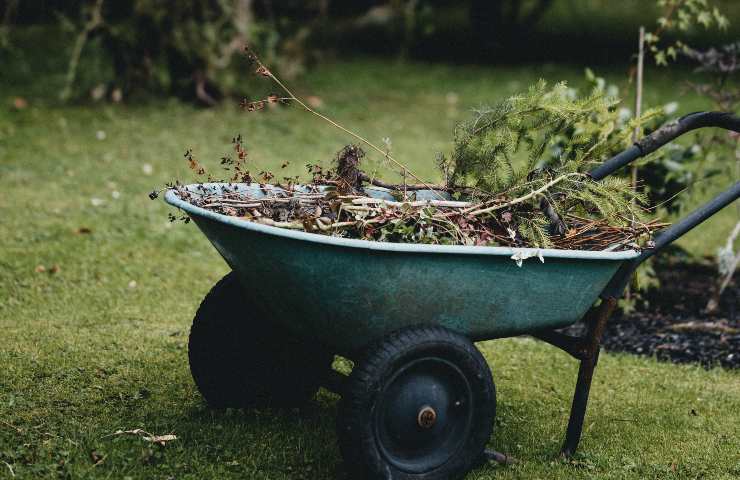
<point>100,345</point>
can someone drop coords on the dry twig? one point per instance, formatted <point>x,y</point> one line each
<point>266,72</point>
<point>433,221</point>
<point>160,439</point>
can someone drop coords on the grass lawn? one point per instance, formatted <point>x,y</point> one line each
<point>97,342</point>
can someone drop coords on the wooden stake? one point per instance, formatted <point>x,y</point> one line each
<point>638,98</point>
<point>638,113</point>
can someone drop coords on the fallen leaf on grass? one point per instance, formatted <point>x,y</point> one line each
<point>314,101</point>
<point>160,439</point>
<point>20,103</point>
<point>96,458</point>
<point>10,425</point>
<point>98,92</point>
<point>52,270</point>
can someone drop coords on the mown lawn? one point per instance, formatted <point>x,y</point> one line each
<point>97,341</point>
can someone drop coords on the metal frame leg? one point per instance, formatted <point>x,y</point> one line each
<point>586,349</point>
<point>578,407</point>
<point>591,348</point>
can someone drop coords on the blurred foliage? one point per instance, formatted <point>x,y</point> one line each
<point>189,48</point>
<point>499,24</point>
<point>715,150</point>
<point>185,48</point>
<point>174,47</point>
<point>691,166</point>
<point>682,16</point>
<point>563,135</point>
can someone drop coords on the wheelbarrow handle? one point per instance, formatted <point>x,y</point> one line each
<point>665,134</point>
<point>619,282</point>
<point>660,137</point>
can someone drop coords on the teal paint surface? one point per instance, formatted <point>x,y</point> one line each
<point>345,293</point>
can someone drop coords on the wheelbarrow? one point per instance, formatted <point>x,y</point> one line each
<point>420,401</point>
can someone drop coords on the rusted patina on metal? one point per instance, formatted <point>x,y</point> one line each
<point>427,417</point>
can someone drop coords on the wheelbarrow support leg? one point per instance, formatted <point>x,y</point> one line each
<point>590,357</point>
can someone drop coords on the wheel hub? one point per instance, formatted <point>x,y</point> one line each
<point>427,417</point>
<point>423,415</point>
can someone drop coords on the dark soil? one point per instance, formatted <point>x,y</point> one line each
<point>671,324</point>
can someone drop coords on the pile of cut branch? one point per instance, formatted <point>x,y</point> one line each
<point>337,208</point>
<point>516,177</point>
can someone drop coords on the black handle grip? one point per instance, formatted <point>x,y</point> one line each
<point>689,122</point>
<point>665,134</point>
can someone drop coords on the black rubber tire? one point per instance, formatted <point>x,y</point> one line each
<point>239,357</point>
<point>369,452</point>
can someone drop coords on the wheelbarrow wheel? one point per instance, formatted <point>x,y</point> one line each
<point>239,357</point>
<point>420,406</point>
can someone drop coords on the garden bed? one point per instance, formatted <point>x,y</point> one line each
<point>671,323</point>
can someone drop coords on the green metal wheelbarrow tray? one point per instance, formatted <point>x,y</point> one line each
<point>420,401</point>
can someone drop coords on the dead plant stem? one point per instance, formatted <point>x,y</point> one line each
<point>367,142</point>
<point>528,196</point>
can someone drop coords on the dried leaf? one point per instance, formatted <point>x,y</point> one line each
<point>20,103</point>
<point>161,439</point>
<point>314,101</point>
<point>96,458</point>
